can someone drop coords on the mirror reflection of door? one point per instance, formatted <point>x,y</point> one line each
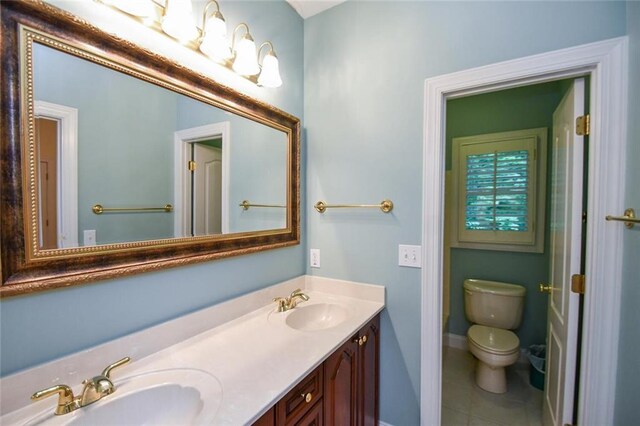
<point>206,187</point>
<point>47,131</point>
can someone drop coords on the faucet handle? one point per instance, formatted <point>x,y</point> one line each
<point>66,401</point>
<point>282,304</point>
<point>107,371</point>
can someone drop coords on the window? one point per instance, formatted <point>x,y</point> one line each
<point>499,190</point>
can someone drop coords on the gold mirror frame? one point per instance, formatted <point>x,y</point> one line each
<point>25,268</point>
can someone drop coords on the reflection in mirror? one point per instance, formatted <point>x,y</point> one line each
<point>135,148</point>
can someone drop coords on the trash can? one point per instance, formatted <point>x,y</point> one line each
<point>537,357</point>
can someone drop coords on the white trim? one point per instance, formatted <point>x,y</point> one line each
<point>381,423</point>
<point>67,183</point>
<point>181,186</point>
<point>606,63</point>
<point>455,341</point>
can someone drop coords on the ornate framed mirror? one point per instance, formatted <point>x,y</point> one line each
<point>117,161</point>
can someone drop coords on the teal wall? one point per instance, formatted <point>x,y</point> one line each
<point>628,380</point>
<point>138,149</point>
<point>516,109</point>
<point>36,328</point>
<point>365,64</point>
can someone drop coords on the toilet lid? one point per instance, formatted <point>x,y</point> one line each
<point>494,340</point>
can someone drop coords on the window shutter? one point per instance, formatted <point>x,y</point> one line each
<point>497,188</point>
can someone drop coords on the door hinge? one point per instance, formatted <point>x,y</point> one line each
<point>192,166</point>
<point>583,125</point>
<point>577,283</point>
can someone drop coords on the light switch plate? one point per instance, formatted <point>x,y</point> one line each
<point>314,258</point>
<point>89,237</point>
<point>410,256</point>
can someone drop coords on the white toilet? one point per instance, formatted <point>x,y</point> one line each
<point>494,308</point>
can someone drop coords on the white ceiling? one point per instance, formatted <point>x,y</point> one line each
<point>307,8</point>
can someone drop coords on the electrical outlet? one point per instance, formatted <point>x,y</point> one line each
<point>314,258</point>
<point>89,237</point>
<point>410,256</point>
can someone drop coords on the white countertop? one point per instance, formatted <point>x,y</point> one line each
<point>247,346</point>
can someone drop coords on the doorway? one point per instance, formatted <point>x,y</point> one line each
<point>201,180</point>
<point>205,209</point>
<point>500,159</point>
<point>605,63</point>
<point>56,127</point>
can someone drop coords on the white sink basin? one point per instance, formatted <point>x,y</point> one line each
<point>176,396</point>
<point>319,316</point>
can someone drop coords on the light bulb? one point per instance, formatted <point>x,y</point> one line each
<point>178,20</point>
<point>246,61</point>
<point>214,43</point>
<point>270,74</point>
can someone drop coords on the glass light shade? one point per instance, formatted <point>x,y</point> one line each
<point>178,20</point>
<point>141,8</point>
<point>215,44</point>
<point>246,62</point>
<point>270,75</point>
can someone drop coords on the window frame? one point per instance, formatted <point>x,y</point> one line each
<point>531,240</point>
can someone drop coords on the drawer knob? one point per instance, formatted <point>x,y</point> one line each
<point>360,341</point>
<point>307,397</point>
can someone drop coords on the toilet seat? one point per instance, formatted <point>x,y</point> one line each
<point>493,340</point>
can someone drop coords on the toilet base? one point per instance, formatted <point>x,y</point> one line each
<point>491,379</point>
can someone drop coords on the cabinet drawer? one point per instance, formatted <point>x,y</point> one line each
<point>300,399</point>
<point>313,417</point>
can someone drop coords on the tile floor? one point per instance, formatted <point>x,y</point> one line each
<point>464,403</point>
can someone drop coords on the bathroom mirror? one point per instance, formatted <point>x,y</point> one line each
<point>116,160</point>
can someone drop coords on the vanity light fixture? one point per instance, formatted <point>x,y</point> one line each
<point>178,22</point>
<point>245,60</point>
<point>270,73</point>
<point>139,8</point>
<point>175,18</point>
<point>214,41</point>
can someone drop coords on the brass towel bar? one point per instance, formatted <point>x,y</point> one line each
<point>629,218</point>
<point>246,204</point>
<point>99,209</point>
<point>385,205</point>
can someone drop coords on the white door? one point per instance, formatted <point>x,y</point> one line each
<point>566,240</point>
<point>207,190</point>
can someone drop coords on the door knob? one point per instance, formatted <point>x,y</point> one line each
<point>545,288</point>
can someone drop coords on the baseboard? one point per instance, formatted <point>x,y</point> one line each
<point>455,341</point>
<point>460,342</point>
<point>381,423</point>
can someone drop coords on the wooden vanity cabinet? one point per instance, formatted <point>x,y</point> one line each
<point>351,381</point>
<point>341,391</point>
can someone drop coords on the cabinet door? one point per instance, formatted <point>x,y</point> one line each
<point>340,386</point>
<point>313,416</point>
<point>368,373</point>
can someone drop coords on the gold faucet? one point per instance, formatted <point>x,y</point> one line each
<point>94,390</point>
<point>286,303</point>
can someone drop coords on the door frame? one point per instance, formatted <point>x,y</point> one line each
<point>181,188</point>
<point>67,183</point>
<point>606,63</point>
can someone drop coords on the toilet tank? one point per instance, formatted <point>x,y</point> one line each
<point>493,303</point>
